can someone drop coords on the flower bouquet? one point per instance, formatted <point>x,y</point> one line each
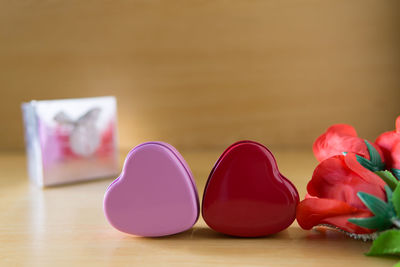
<point>355,188</point>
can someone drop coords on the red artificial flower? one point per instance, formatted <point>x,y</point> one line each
<point>341,138</point>
<point>389,143</point>
<point>332,194</point>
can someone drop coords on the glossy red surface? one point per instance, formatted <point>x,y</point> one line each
<point>246,195</point>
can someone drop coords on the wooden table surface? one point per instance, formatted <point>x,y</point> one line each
<point>65,226</point>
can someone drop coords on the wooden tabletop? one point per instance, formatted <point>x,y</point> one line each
<point>65,225</point>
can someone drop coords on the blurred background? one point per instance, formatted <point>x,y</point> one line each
<point>203,74</point>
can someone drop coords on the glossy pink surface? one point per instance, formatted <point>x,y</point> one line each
<point>246,195</point>
<point>155,194</point>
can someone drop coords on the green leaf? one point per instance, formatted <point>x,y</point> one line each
<point>375,163</point>
<point>387,243</point>
<point>374,156</point>
<point>396,200</point>
<point>389,179</point>
<point>397,264</point>
<point>366,163</point>
<point>396,173</point>
<point>376,223</point>
<point>389,193</point>
<point>384,212</point>
<point>376,205</point>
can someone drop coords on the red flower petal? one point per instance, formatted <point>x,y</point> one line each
<point>366,175</point>
<point>395,154</point>
<point>316,211</point>
<point>386,142</point>
<point>333,179</point>
<point>337,139</point>
<point>342,129</point>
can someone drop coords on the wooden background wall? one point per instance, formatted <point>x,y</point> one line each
<point>202,74</point>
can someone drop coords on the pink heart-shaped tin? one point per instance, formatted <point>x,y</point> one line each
<point>155,195</point>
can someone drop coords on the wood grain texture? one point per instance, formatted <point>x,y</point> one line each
<point>202,74</point>
<point>65,226</point>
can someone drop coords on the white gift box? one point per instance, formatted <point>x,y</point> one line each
<point>71,140</point>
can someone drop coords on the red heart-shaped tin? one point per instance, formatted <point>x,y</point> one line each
<point>246,195</point>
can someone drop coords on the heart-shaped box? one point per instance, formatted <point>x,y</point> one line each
<point>155,195</point>
<point>246,195</point>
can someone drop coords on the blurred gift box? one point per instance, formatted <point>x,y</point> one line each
<point>71,140</point>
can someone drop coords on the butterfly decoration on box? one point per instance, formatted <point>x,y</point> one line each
<point>81,137</point>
